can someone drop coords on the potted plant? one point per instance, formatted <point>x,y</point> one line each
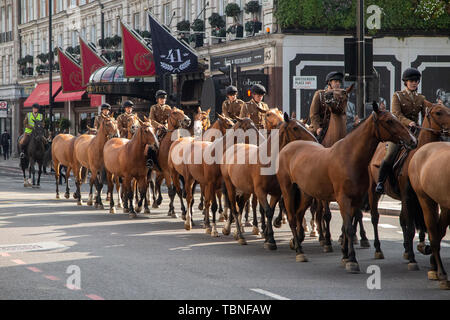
<point>64,124</point>
<point>29,59</point>
<point>252,7</point>
<point>116,40</point>
<point>43,57</point>
<point>233,10</point>
<point>198,26</point>
<point>253,27</point>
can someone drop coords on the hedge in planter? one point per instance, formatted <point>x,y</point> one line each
<point>216,21</point>
<point>232,10</point>
<point>252,7</point>
<point>183,25</point>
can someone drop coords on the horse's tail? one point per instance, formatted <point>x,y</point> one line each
<point>414,209</point>
<point>103,175</point>
<point>83,174</point>
<point>296,194</point>
<point>225,194</point>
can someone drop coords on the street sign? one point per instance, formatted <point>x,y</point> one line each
<point>3,109</point>
<point>305,82</point>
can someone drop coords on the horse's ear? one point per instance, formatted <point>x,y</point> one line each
<point>375,107</point>
<point>112,115</point>
<point>349,89</point>
<point>199,109</point>
<point>208,111</point>
<point>427,104</point>
<point>286,117</point>
<point>145,119</point>
<point>294,115</point>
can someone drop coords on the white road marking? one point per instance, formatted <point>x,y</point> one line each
<point>387,226</point>
<point>445,244</point>
<point>31,247</point>
<point>269,294</point>
<point>367,219</point>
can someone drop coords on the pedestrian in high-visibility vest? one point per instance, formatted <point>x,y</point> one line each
<point>28,123</point>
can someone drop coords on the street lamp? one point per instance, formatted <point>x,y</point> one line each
<point>50,66</point>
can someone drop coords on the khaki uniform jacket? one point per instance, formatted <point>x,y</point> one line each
<point>406,106</point>
<point>234,108</point>
<point>160,113</point>
<point>317,112</point>
<point>122,123</point>
<point>250,110</point>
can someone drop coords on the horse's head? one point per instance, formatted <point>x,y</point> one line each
<point>178,119</point>
<point>108,125</point>
<point>273,118</point>
<point>133,123</point>
<point>223,123</point>
<point>292,129</point>
<point>201,121</point>
<point>39,129</point>
<point>437,117</point>
<point>147,134</point>
<point>244,124</point>
<point>336,99</point>
<point>92,131</point>
<point>389,128</point>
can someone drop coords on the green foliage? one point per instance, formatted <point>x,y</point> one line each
<point>232,10</point>
<point>64,124</point>
<point>198,25</point>
<point>183,25</point>
<point>252,7</point>
<point>216,21</point>
<point>397,15</point>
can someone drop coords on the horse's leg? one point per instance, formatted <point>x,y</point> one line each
<point>99,203</point>
<point>242,202</point>
<point>348,212</point>
<point>230,192</point>
<point>57,168</point>
<point>128,190</point>
<point>314,212</point>
<point>146,196</point>
<point>77,172</point>
<point>254,207</point>
<point>209,198</point>
<point>39,174</point>
<point>221,210</point>
<point>119,192</point>
<point>255,230</point>
<point>410,233</point>
<point>188,184</point>
<point>159,179</point>
<point>325,223</point>
<point>375,217</point>
<point>177,189</point>
<point>278,220</point>
<point>305,203</point>
<point>214,232</point>
<point>422,247</point>
<point>110,181</point>
<point>91,184</point>
<point>32,170</point>
<point>269,242</point>
<point>364,242</point>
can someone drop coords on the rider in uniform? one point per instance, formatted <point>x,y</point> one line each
<point>232,106</point>
<point>160,111</point>
<point>105,110</point>
<point>122,120</point>
<point>318,114</point>
<point>249,109</point>
<point>28,124</point>
<point>406,105</point>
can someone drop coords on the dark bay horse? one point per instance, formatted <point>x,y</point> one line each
<point>309,170</point>
<point>437,119</point>
<point>255,175</point>
<point>34,153</point>
<point>429,175</point>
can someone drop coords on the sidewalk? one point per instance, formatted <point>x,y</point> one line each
<point>386,205</point>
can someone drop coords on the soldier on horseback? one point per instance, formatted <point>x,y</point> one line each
<point>251,108</point>
<point>160,111</point>
<point>28,123</point>
<point>122,120</point>
<point>105,110</point>
<point>232,106</point>
<point>406,105</point>
<point>318,114</point>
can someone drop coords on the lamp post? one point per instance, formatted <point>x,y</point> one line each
<point>50,66</point>
<point>360,99</point>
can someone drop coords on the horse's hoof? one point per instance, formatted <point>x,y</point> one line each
<point>242,241</point>
<point>284,221</point>
<point>405,255</point>
<point>355,240</point>
<point>322,242</point>
<point>208,230</point>
<point>108,198</point>
<point>277,223</point>
<point>379,255</point>
<point>57,196</point>
<point>352,267</point>
<point>187,226</point>
<point>79,203</point>
<point>301,258</point>
<point>155,205</point>
<point>169,214</point>
<point>138,209</point>
<point>364,243</point>
<point>225,231</point>
<point>413,266</point>
<point>255,231</point>
<point>74,195</point>
<point>270,245</point>
<point>200,206</point>
<point>89,202</point>
<point>327,248</point>
<point>432,275</point>
<point>132,215</point>
<point>444,285</point>
<point>235,235</point>
<point>174,215</point>
<point>126,210</point>
<point>214,233</point>
<point>67,195</point>
<point>183,217</point>
<point>291,244</point>
<point>112,210</point>
<point>313,234</point>
<point>96,205</point>
<point>100,207</point>
<point>221,218</point>
<point>247,224</point>
<point>146,211</point>
<point>424,249</point>
<point>344,262</point>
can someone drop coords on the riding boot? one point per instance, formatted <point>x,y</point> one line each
<point>385,168</point>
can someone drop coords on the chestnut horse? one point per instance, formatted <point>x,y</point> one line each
<point>62,154</point>
<point>309,170</point>
<point>429,175</point>
<point>88,152</point>
<point>127,159</point>
<point>181,149</point>
<point>437,118</point>
<point>257,176</point>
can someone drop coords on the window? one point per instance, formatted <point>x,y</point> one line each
<point>187,10</point>
<point>84,33</point>
<point>166,13</point>
<point>221,7</point>
<point>82,2</point>
<point>42,8</point>
<point>10,68</point>
<point>136,21</point>
<point>93,34</point>
<point>3,20</point>
<point>3,70</point>
<point>10,17</point>
<point>44,48</point>
<point>74,38</point>
<point>30,10</point>
<point>73,3</point>
<point>60,40</point>
<point>108,28</point>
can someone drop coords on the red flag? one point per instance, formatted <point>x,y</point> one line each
<point>137,57</point>
<point>90,61</point>
<point>71,77</point>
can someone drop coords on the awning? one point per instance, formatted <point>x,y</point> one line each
<point>70,96</point>
<point>40,94</point>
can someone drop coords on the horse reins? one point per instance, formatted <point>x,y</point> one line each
<point>442,131</point>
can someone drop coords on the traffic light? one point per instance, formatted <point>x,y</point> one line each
<point>227,71</point>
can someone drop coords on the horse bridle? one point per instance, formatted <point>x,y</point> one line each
<point>429,116</point>
<point>375,120</point>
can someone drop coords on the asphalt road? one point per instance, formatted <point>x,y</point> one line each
<point>109,256</point>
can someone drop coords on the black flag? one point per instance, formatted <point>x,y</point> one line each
<point>171,55</point>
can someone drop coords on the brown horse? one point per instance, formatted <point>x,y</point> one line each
<point>177,120</point>
<point>436,120</point>
<point>88,152</point>
<point>429,174</point>
<point>126,159</point>
<point>62,154</point>
<point>256,176</point>
<point>309,170</point>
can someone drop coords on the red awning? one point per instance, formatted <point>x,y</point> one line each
<point>40,94</point>
<point>69,96</point>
